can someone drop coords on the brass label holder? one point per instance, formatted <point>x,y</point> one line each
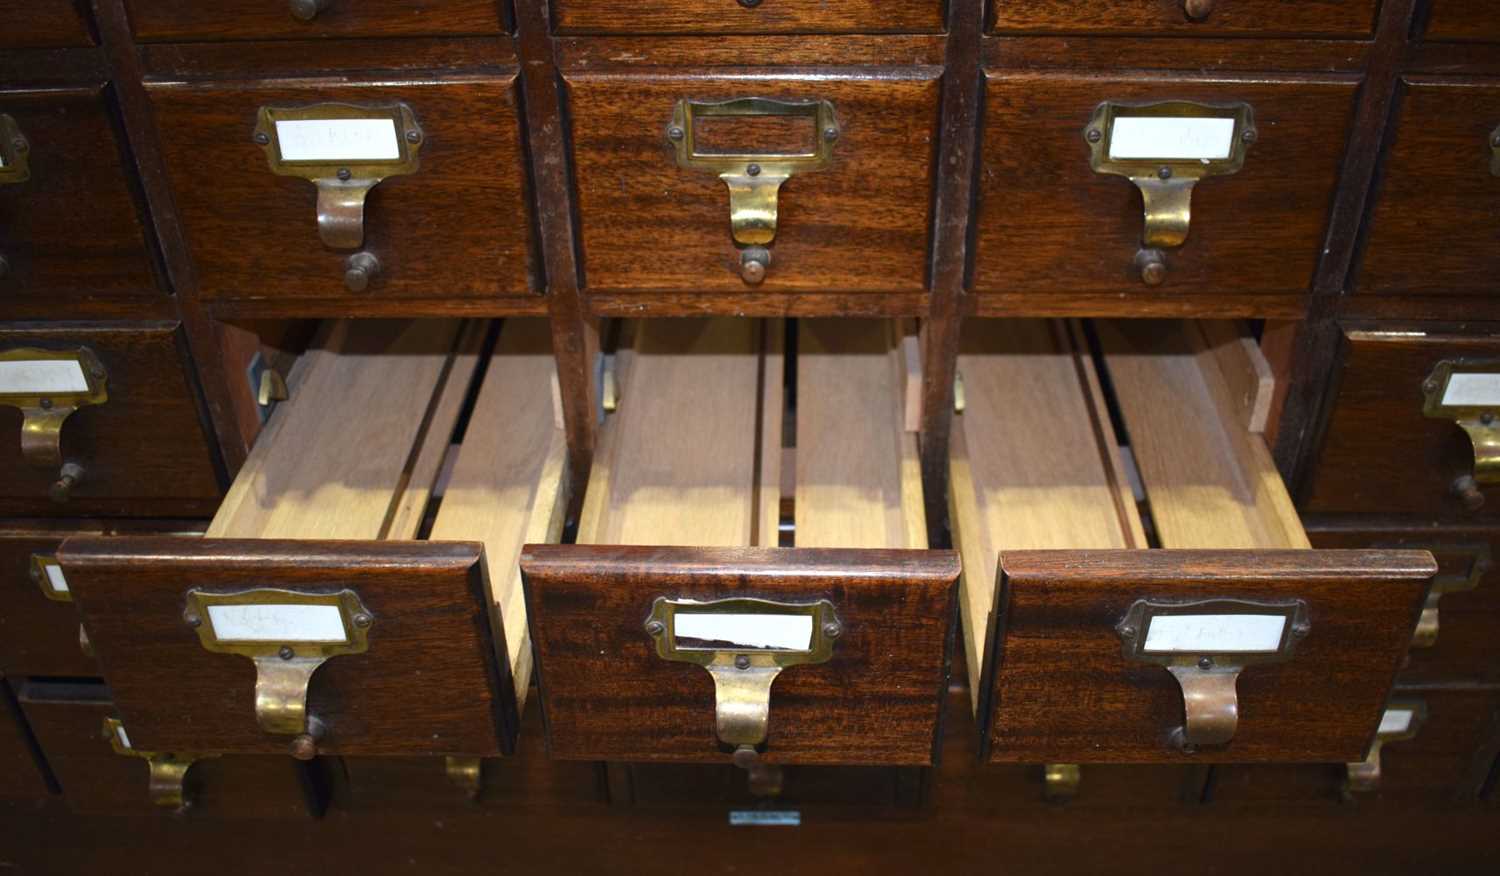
<point>345,180</point>
<point>1468,393</point>
<point>288,635</point>
<point>47,572</point>
<point>1131,140</point>
<point>1205,644</point>
<point>168,769</point>
<point>743,670</point>
<point>1426,634</point>
<point>754,179</point>
<point>15,166</point>
<point>47,386</point>
<point>1399,722</point>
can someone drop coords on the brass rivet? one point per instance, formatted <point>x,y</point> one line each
<point>830,133</point>
<point>742,661</point>
<point>1248,136</point>
<point>344,174</point>
<point>46,404</point>
<point>413,136</point>
<point>1205,663</point>
<point>1127,631</point>
<point>362,620</point>
<point>262,137</point>
<point>753,170</point>
<point>655,627</point>
<point>1094,135</point>
<point>1164,172</point>
<point>833,629</point>
<point>286,652</point>
<point>674,132</point>
<point>193,620</point>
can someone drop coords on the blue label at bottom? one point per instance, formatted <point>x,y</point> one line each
<point>765,818</point>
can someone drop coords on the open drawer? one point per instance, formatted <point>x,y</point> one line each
<point>1237,642</point>
<point>676,629</point>
<point>356,593</point>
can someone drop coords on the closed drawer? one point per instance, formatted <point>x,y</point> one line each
<point>676,630</point>
<point>1340,18</point>
<point>51,24</point>
<point>1462,21</point>
<point>447,218</point>
<point>100,772</point>
<point>1438,189</point>
<point>134,445</point>
<point>1243,240</point>
<point>1434,747</point>
<point>790,185</point>
<point>22,776</point>
<point>1230,639</point>
<point>311,617</point>
<point>211,20</point>
<point>1454,641</point>
<point>750,16</point>
<point>1380,415</point>
<point>70,225</point>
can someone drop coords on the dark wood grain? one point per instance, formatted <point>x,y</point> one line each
<point>291,58</point>
<point>430,683</point>
<point>1143,303</point>
<point>72,233</point>
<point>387,308</point>
<point>1466,20</point>
<point>861,225</point>
<point>739,50</point>
<point>730,17</point>
<point>213,20</point>
<point>1059,690</point>
<point>1051,227</point>
<point>68,720</point>
<point>1348,18</point>
<point>457,228</point>
<point>144,450</point>
<point>22,776</point>
<point>1466,650</point>
<point>1380,453</point>
<point>1158,52</point>
<point>607,696</point>
<point>644,304</point>
<point>45,24</point>
<point>1429,230</point>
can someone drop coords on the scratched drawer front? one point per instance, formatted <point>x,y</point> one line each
<point>1049,225</point>
<point>457,227</point>
<point>1334,18</point>
<point>1462,21</point>
<point>72,230</point>
<point>212,20</point>
<point>143,450</point>
<point>1381,454</point>
<point>1431,228</point>
<point>46,24</point>
<point>860,224</point>
<point>749,16</point>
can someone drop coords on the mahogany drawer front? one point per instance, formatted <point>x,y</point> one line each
<point>1429,230</point>
<point>39,629</point>
<point>1444,758</point>
<point>749,17</point>
<point>1464,605</point>
<point>1255,232</point>
<point>1334,18</point>
<point>97,779</point>
<point>1381,453</point>
<point>45,25</point>
<point>21,772</point>
<point>72,230</point>
<point>214,20</point>
<point>680,785</point>
<point>1462,21</point>
<point>858,224</point>
<point>457,227</point>
<point>143,450</point>
<point>608,695</point>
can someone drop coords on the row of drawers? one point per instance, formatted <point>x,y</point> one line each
<point>58,23</point>
<point>449,218</point>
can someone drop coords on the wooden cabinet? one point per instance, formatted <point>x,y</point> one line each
<point>48,24</point>
<point>193,21</point>
<point>1186,18</point>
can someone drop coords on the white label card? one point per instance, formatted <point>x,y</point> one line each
<point>55,578</point>
<point>42,377</point>
<point>277,623</point>
<point>338,140</point>
<point>765,818</point>
<point>1395,721</point>
<point>766,632</point>
<point>1164,138</point>
<point>1214,633</point>
<point>120,734</point>
<point>1472,390</point>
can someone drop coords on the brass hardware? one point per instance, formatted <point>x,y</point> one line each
<point>1426,634</point>
<point>272,388</point>
<point>52,584</point>
<point>959,401</point>
<point>168,769</point>
<point>84,644</point>
<point>743,673</point>
<point>284,662</point>
<point>1468,393</point>
<point>1060,781</point>
<point>48,391</point>
<point>359,270</point>
<point>1495,152</point>
<point>754,180</point>
<point>307,10</point>
<point>1399,722</point>
<point>1206,669</point>
<point>754,262</point>
<point>343,183</point>
<point>15,152</point>
<point>466,773</point>
<point>1166,181</point>
<point>1197,10</point>
<point>609,396</point>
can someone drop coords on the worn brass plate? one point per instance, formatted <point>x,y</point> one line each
<point>14,152</point>
<point>754,179</point>
<point>49,394</point>
<point>1468,393</point>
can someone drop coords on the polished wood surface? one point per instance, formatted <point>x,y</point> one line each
<point>1461,20</point>
<point>1342,18</point>
<point>203,20</point>
<point>788,16</point>
<point>48,24</point>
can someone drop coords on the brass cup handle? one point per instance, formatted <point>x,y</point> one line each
<point>341,212</point>
<point>307,10</point>
<point>1210,701</point>
<point>1197,10</point>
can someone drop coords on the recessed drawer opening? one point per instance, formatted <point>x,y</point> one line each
<point>755,508</point>
<point>357,593</point>
<point>1189,623</point>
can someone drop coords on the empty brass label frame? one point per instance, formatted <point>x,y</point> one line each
<point>43,414</point>
<point>15,166</point>
<point>342,185</point>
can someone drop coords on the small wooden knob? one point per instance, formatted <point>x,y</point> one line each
<point>307,10</point>
<point>67,479</point>
<point>359,270</point>
<point>1198,10</point>
<point>1153,266</point>
<point>1467,491</point>
<point>304,747</point>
